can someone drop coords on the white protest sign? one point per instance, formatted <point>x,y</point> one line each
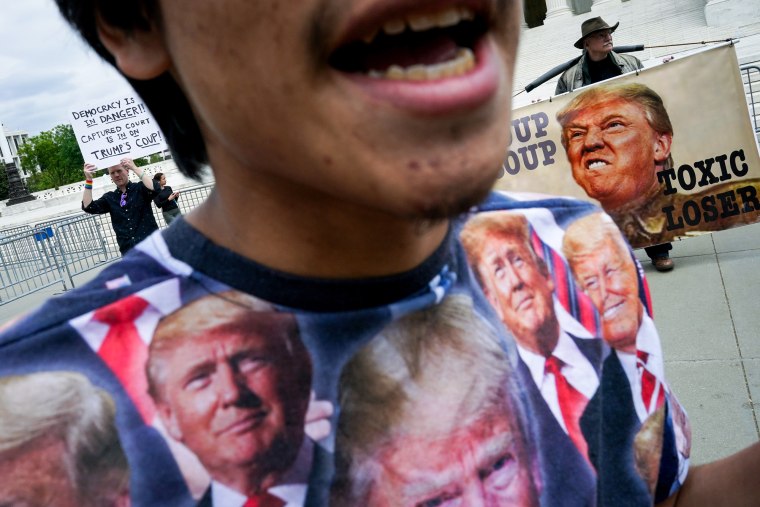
<point>110,130</point>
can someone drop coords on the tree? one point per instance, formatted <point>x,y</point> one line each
<point>53,158</point>
<point>3,181</point>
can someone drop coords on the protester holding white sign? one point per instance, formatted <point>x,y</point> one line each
<point>112,129</point>
<point>129,205</point>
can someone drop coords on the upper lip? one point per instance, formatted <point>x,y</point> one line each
<point>249,418</point>
<point>373,17</point>
<point>613,307</point>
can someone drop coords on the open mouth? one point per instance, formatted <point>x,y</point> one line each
<point>415,47</point>
<point>595,164</point>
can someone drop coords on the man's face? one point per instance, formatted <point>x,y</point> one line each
<point>289,98</point>
<point>119,175</point>
<point>519,291</point>
<point>481,464</point>
<point>613,151</point>
<point>229,395</point>
<point>599,43</point>
<point>607,274</point>
<point>36,476</point>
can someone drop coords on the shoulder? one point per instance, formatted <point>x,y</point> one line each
<point>135,273</point>
<point>629,60</point>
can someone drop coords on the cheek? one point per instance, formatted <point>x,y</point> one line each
<point>193,410</point>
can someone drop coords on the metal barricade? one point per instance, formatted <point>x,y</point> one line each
<point>751,79</point>
<point>14,231</point>
<point>28,263</point>
<point>56,250</point>
<point>82,245</point>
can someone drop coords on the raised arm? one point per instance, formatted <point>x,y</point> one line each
<point>89,170</point>
<point>143,175</point>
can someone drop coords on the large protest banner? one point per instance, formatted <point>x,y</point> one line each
<point>110,130</point>
<point>669,152</point>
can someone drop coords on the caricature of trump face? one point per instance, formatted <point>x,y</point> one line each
<point>612,146</point>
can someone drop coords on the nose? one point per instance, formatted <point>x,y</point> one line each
<point>474,495</point>
<point>603,284</point>
<point>512,278</point>
<point>593,139</point>
<point>228,387</point>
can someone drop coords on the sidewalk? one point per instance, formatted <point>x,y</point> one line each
<point>706,311</point>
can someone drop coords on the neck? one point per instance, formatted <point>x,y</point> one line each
<point>241,480</point>
<point>122,188</point>
<point>544,340</point>
<point>301,231</point>
<point>597,56</point>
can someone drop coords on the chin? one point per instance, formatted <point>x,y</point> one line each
<point>453,199</point>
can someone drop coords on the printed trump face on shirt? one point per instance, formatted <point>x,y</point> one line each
<point>235,393</point>
<point>483,463</point>
<point>519,290</point>
<point>606,272</point>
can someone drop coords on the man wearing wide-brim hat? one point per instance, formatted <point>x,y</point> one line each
<point>598,61</point>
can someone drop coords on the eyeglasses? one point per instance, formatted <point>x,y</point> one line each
<point>123,201</point>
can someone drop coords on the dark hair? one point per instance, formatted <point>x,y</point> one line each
<point>157,176</point>
<point>162,95</point>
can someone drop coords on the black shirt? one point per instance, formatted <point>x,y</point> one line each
<point>162,199</point>
<point>601,70</point>
<point>132,222</point>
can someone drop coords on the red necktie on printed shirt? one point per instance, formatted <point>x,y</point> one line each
<point>651,387</point>
<point>264,500</point>
<point>572,403</point>
<point>125,352</point>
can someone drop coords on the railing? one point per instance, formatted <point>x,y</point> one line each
<point>751,79</point>
<point>53,252</point>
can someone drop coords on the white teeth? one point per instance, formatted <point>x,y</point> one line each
<point>421,22</point>
<point>463,63</point>
<point>466,14</point>
<point>597,164</point>
<point>394,26</point>
<point>448,18</point>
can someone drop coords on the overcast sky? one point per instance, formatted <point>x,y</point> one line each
<point>46,71</point>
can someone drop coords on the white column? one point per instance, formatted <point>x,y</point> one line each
<point>728,12</point>
<point>557,8</point>
<point>601,4</point>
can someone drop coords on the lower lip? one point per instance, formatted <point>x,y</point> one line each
<point>440,96</point>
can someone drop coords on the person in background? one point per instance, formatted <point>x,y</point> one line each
<point>129,205</point>
<point>166,199</point>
